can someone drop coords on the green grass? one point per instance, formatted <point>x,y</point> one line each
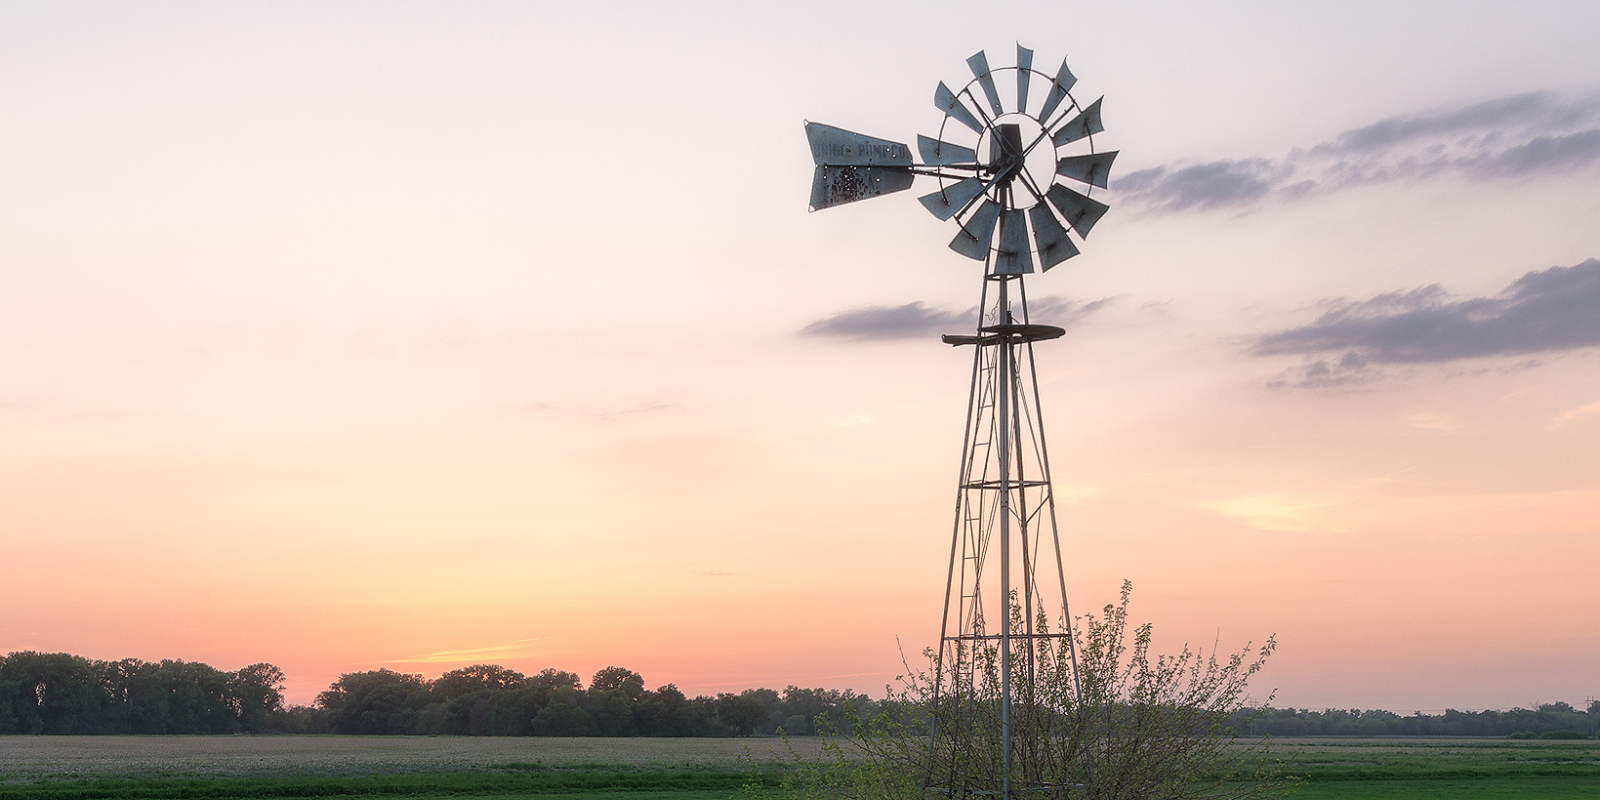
<point>1322,769</point>
<point>1475,760</point>
<point>1528,788</point>
<point>1394,769</point>
<point>588,781</point>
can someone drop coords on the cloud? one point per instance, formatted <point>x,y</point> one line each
<point>1508,137</point>
<point>1572,415</point>
<point>602,414</point>
<point>1430,421</point>
<point>517,649</point>
<point>1204,186</point>
<point>1538,108</point>
<point>917,320</point>
<point>910,321</point>
<point>1276,512</point>
<point>1544,311</point>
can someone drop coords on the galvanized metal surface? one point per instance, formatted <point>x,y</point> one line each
<point>979,64</point>
<point>1055,246</point>
<point>834,186</point>
<point>1063,83</point>
<point>1015,256</point>
<point>977,232</point>
<point>1024,72</point>
<point>1079,127</point>
<point>1025,332</point>
<point>838,147</point>
<point>946,101</point>
<point>952,199</point>
<point>1093,169</point>
<point>1080,211</point>
<point>1006,152</point>
<point>936,153</point>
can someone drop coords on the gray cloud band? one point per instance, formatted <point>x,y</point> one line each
<point>1509,137</point>
<point>1544,311</point>
<point>916,320</point>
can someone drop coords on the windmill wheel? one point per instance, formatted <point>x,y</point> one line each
<point>998,170</point>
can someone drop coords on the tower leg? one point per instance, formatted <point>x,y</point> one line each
<point>1006,695</point>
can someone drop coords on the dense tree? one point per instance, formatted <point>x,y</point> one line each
<point>59,693</point>
<point>617,678</point>
<point>258,692</point>
<point>555,678</point>
<point>1549,718</point>
<point>478,677</point>
<point>742,712</point>
<point>379,701</point>
<point>666,712</point>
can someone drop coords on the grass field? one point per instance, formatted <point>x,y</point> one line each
<point>1440,769</point>
<point>218,768</point>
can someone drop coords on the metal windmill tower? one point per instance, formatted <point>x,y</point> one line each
<point>1006,672</point>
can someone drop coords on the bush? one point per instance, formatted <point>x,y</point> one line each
<point>1111,721</point>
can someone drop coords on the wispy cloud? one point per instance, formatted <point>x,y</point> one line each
<point>1430,421</point>
<point>1508,137</point>
<point>1544,311</point>
<point>910,321</point>
<point>612,414</point>
<point>916,320</point>
<point>516,649</point>
<point>1575,414</point>
<point>1276,512</point>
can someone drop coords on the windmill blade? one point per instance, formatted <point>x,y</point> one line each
<point>1024,72</point>
<point>937,153</point>
<point>1055,246</point>
<point>1058,92</point>
<point>950,200</point>
<point>947,102</point>
<point>977,232</point>
<point>1015,256</point>
<point>979,64</point>
<point>1080,126</point>
<point>1092,169</point>
<point>832,146</point>
<point>836,185</point>
<point>1080,211</point>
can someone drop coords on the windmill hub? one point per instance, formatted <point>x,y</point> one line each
<point>1006,154</point>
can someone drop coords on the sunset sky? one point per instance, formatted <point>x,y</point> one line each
<point>416,335</point>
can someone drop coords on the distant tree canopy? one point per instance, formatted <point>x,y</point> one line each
<point>1550,718</point>
<point>59,693</point>
<point>490,700</point>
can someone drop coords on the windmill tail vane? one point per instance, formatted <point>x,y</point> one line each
<point>1019,184</point>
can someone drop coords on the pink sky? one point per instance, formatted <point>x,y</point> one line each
<point>419,336</point>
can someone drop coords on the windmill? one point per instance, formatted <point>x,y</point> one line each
<point>1006,645</point>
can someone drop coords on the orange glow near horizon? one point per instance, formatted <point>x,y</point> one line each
<point>351,337</point>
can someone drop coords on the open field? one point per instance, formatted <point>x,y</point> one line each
<point>220,767</point>
<point>1442,769</point>
<point>33,757</point>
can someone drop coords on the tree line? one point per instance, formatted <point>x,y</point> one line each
<point>490,700</point>
<point>60,693</point>
<point>1554,720</point>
